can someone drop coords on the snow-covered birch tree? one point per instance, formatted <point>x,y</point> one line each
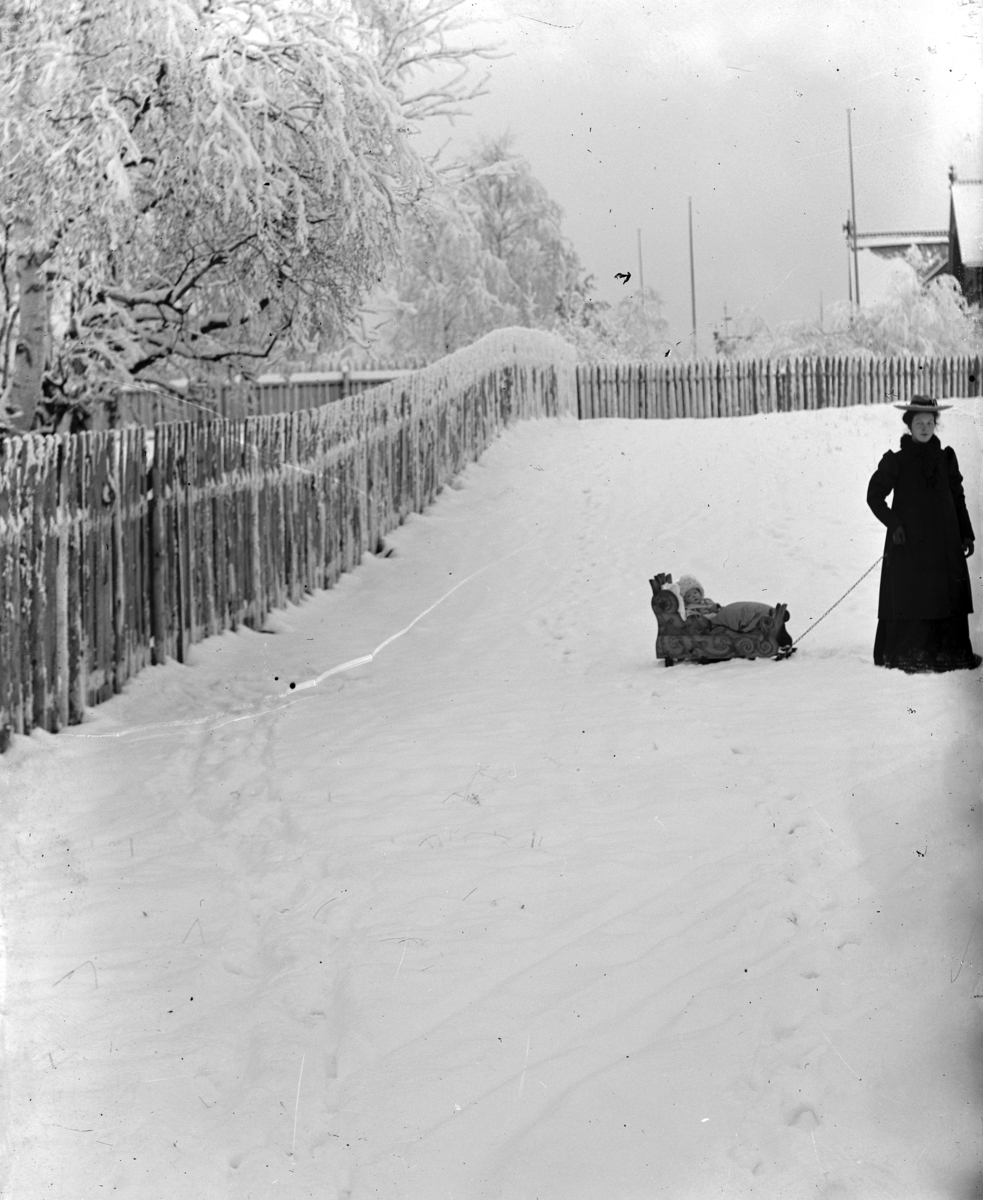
<point>494,255</point>
<point>448,290</point>
<point>192,182</point>
<point>521,224</point>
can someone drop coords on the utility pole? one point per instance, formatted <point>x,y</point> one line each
<point>692,276</point>
<point>848,230</point>
<point>641,277</point>
<point>853,212</point>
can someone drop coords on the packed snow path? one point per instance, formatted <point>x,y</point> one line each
<point>513,911</point>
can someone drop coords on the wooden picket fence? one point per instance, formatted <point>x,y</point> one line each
<point>234,401</point>
<point>734,387</point>
<point>718,387</point>
<point>123,547</point>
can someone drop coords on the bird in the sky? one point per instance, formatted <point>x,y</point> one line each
<point>624,276</point>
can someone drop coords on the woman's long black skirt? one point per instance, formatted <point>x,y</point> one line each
<point>925,645</point>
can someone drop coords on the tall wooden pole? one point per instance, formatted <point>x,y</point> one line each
<point>853,213</point>
<point>692,276</point>
<point>849,276</point>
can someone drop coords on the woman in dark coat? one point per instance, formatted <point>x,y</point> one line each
<point>925,600</point>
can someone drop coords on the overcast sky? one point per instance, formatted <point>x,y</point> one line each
<point>625,108</point>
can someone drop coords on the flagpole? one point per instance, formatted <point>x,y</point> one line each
<point>849,275</point>
<point>853,212</point>
<point>692,277</point>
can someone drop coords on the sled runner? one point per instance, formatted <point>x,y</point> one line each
<point>704,639</point>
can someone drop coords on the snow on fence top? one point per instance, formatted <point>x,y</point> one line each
<point>273,393</point>
<point>502,348</point>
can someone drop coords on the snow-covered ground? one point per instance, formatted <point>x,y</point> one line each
<point>512,911</point>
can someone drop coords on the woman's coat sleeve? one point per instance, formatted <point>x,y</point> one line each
<point>958,496</point>
<point>880,487</point>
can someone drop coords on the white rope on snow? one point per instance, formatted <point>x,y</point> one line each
<point>201,723</point>
<point>367,658</point>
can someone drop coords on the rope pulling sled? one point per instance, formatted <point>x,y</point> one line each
<point>788,651</point>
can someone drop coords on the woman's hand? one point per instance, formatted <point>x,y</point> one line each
<point>968,547</point>
<point>898,536</point>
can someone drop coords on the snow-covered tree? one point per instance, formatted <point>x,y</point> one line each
<point>191,182</point>
<point>634,328</point>
<point>495,255</point>
<point>933,319</point>
<point>520,224</point>
<point>448,290</point>
<point>639,327</point>
<point>414,48</point>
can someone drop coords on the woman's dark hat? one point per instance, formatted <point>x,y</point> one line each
<point>923,404</point>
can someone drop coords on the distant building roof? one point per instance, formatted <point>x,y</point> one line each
<point>967,209</point>
<point>932,242</point>
<point>906,237</point>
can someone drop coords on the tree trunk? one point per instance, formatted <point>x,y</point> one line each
<point>25,382</point>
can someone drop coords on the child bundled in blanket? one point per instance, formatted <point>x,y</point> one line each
<point>694,599</point>
<point>741,616</point>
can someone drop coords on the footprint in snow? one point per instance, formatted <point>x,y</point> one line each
<point>803,1117</point>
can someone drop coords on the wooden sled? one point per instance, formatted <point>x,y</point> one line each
<point>698,639</point>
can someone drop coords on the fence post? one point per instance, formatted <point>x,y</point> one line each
<point>157,551</point>
<point>118,564</point>
<point>61,590</point>
<point>17,690</point>
<point>256,572</point>
<point>10,624</point>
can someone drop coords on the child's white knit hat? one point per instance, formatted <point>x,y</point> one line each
<point>690,581</point>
